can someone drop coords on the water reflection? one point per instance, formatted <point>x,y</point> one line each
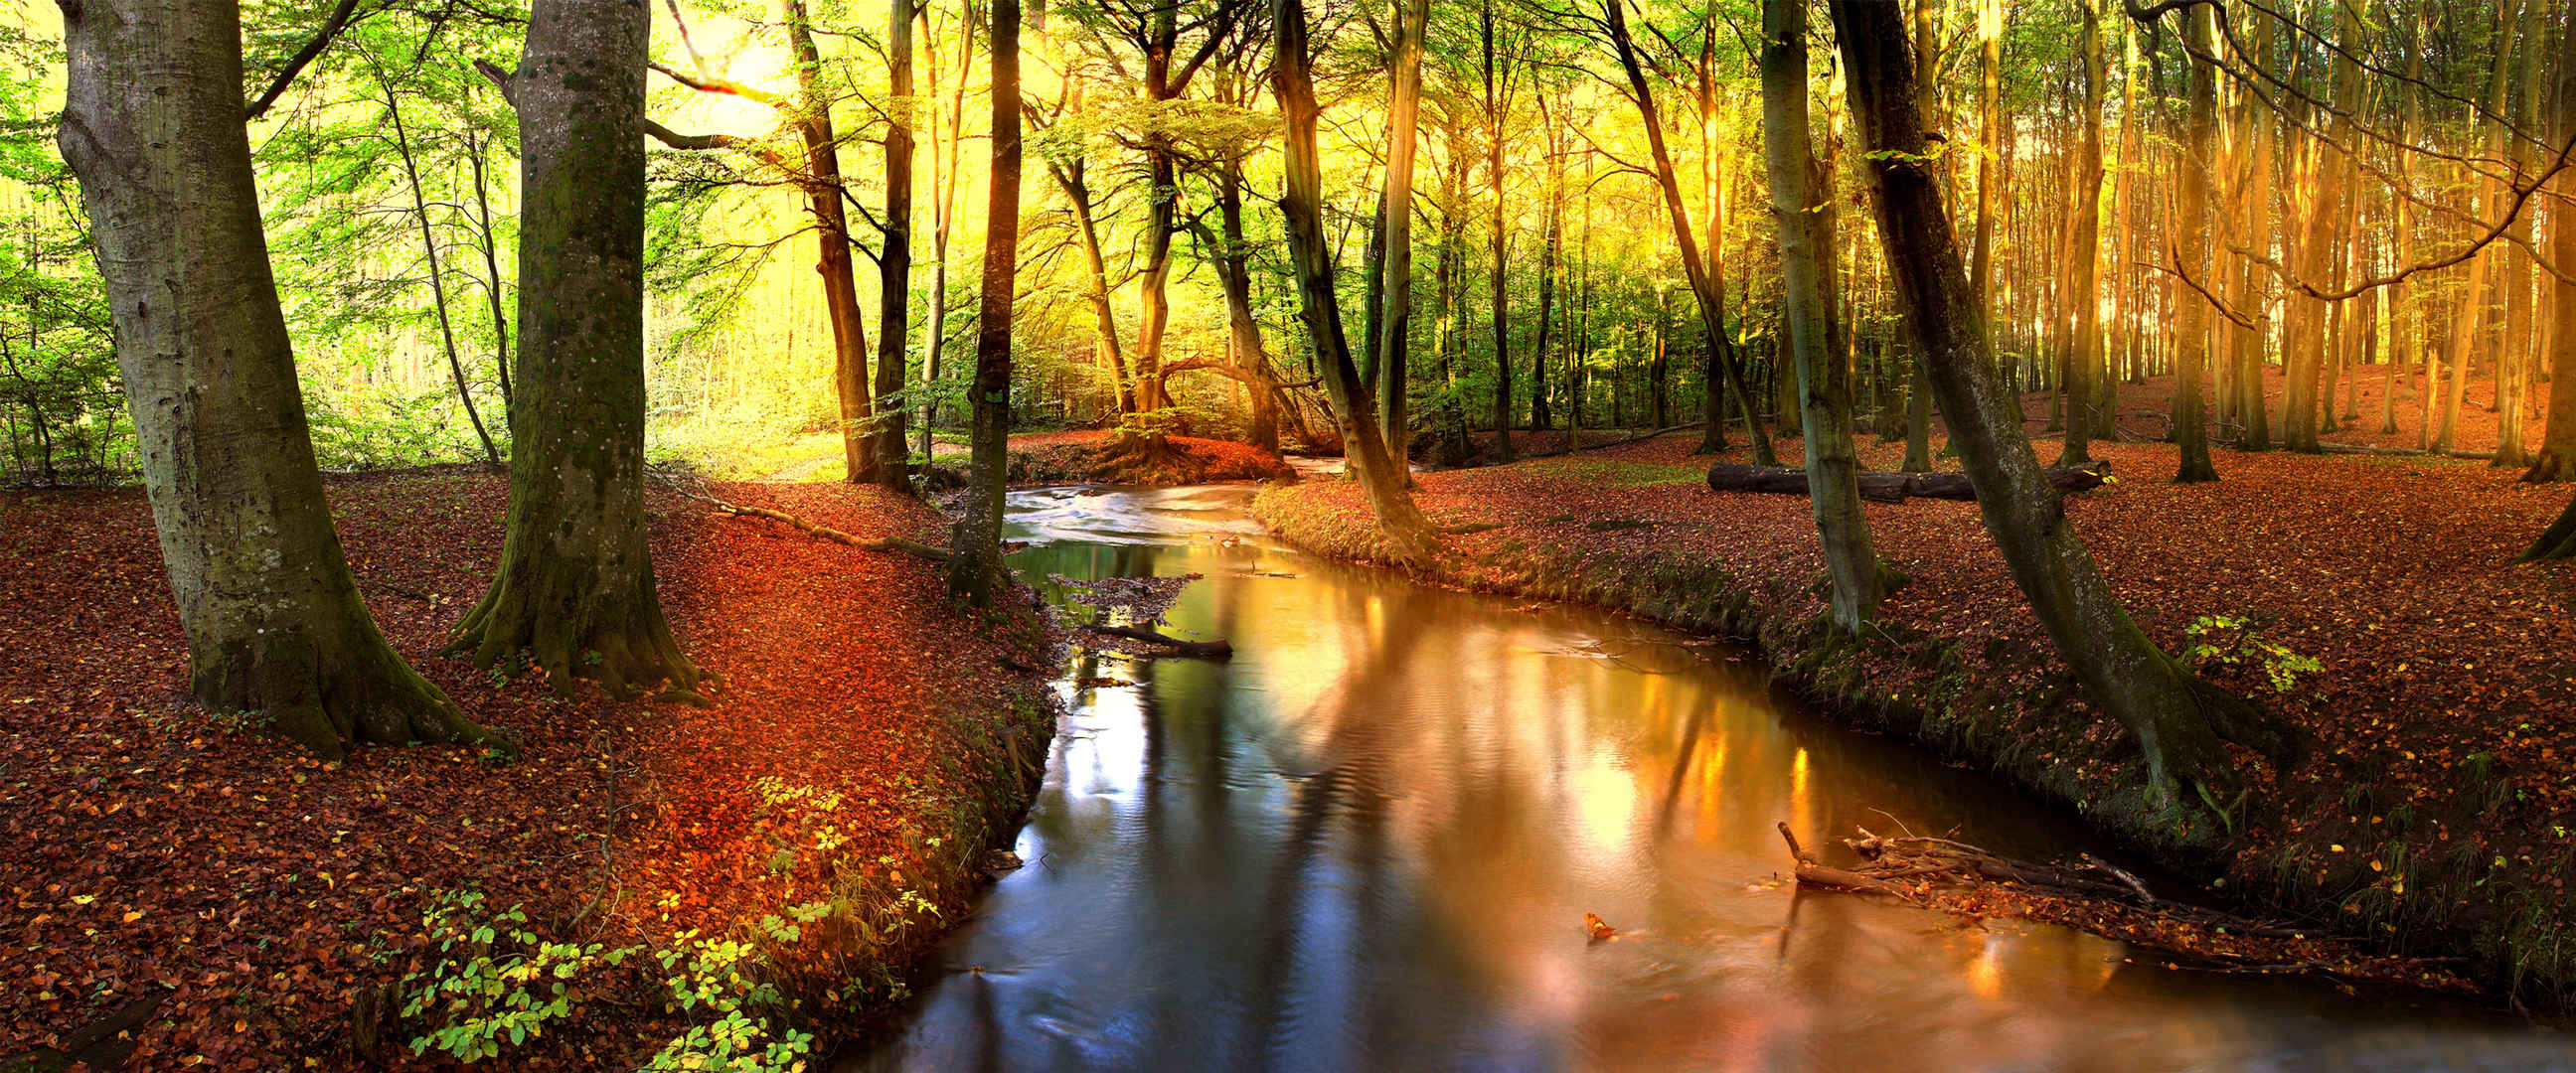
<point>1369,840</point>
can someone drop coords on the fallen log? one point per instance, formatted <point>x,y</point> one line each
<point>908,547</point>
<point>1889,487</point>
<point>1620,442</point>
<point>1189,649</point>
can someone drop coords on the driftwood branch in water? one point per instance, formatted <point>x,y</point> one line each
<point>1192,649</point>
<point>1889,487</point>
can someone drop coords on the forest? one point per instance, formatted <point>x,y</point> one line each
<point>576,534</point>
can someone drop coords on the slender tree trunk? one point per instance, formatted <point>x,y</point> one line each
<point>1551,259</point>
<point>575,585</point>
<point>437,278</point>
<point>1833,468</point>
<point>2557,458</point>
<point>489,245</point>
<point>1404,103</point>
<point>1498,98</point>
<point>1380,472</point>
<point>975,570</point>
<point>945,140</point>
<point>274,624</point>
<point>823,183</point>
<point>2191,245</point>
<point>2084,359</point>
<point>1234,278</point>
<point>2177,721</point>
<point>1708,288</point>
<point>894,259</point>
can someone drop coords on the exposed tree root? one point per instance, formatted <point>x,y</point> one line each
<point>2095,896</point>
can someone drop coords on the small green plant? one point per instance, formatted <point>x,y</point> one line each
<point>494,979</point>
<point>712,978</point>
<point>2235,640</point>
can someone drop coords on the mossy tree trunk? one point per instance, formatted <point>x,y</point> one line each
<point>152,125</point>
<point>575,588</point>
<point>1806,256</point>
<point>2178,721</point>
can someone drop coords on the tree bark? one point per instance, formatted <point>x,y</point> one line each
<point>1404,105</point>
<point>1497,99</point>
<point>1824,391</point>
<point>894,260</point>
<point>2556,460</point>
<point>1380,472</point>
<point>2191,245</point>
<point>152,127</point>
<point>976,573</point>
<point>2178,721</point>
<point>575,586</point>
<point>2084,358</point>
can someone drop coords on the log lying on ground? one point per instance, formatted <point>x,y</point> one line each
<point>1889,487</point>
<point>1192,649</point>
<point>908,547</point>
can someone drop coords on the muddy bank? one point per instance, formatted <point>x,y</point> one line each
<point>2434,818</point>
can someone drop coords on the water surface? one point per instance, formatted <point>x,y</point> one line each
<point>1369,841</point>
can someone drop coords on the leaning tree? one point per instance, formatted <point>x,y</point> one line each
<point>575,588</point>
<point>2179,721</point>
<point>152,125</point>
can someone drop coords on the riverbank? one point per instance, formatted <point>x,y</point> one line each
<point>1094,456</point>
<point>2434,818</point>
<point>185,890</point>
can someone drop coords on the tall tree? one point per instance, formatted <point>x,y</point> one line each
<point>1806,252</point>
<point>975,570</point>
<point>152,126</point>
<point>1498,100</point>
<point>1708,288</point>
<point>2556,460</point>
<point>894,257</point>
<point>575,586</point>
<point>1403,113</point>
<point>2178,721</point>
<point>2191,247</point>
<point>2085,358</point>
<point>1380,472</point>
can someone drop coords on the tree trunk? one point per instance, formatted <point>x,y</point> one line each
<point>152,127</point>
<point>1805,247</point>
<point>2177,721</point>
<point>1551,258</point>
<point>437,277</point>
<point>823,185</point>
<point>1497,98</point>
<point>1707,287</point>
<point>976,572</point>
<point>945,140</point>
<point>1404,105</point>
<point>1234,277</point>
<point>489,245</point>
<point>575,586</point>
<point>2557,458</point>
<point>2084,358</point>
<point>894,260</point>
<point>2191,244</point>
<point>1381,474</point>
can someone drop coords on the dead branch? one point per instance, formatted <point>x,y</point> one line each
<point>1190,649</point>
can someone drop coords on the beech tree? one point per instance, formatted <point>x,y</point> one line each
<point>975,570</point>
<point>1380,470</point>
<point>575,586</point>
<point>152,126</point>
<point>2178,720</point>
<point>1806,258</point>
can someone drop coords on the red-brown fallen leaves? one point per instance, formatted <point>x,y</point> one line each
<point>2445,710</point>
<point>146,850</point>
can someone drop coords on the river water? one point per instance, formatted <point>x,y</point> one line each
<point>1369,841</point>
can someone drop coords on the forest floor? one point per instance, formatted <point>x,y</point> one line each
<point>183,891</point>
<point>2438,813</point>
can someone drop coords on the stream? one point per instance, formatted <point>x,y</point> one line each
<point>1369,840</point>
